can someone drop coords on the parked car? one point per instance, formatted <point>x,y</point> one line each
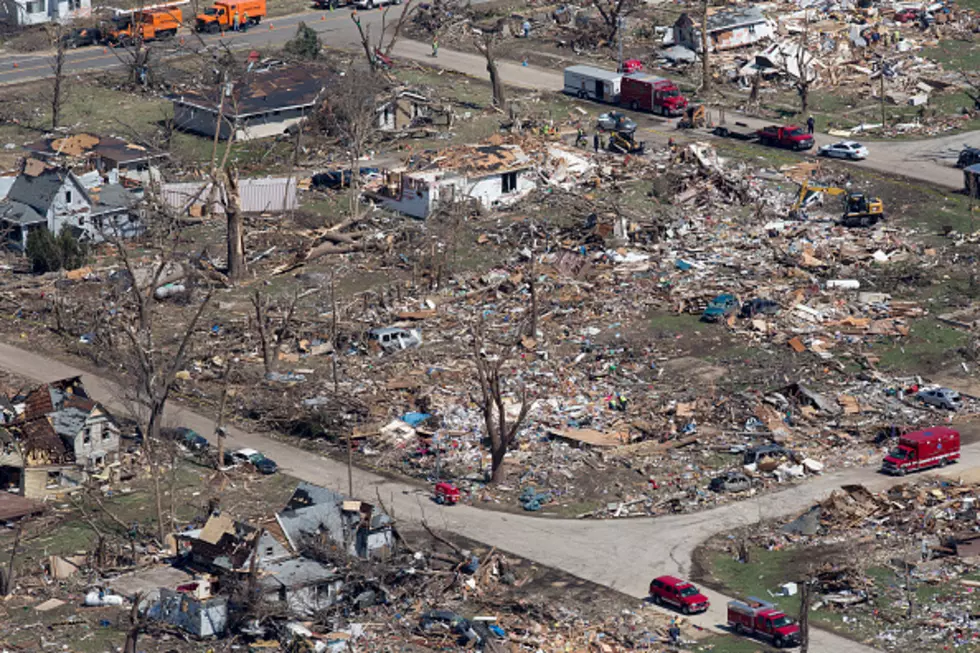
<point>755,454</point>
<point>678,593</point>
<point>395,339</point>
<point>940,398</point>
<point>616,121</point>
<point>968,156</point>
<point>720,308</point>
<point>730,482</point>
<point>253,457</point>
<point>906,15</point>
<point>340,178</point>
<point>758,306</point>
<point>844,150</point>
<point>191,439</point>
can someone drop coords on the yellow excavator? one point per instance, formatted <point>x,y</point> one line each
<point>860,210</point>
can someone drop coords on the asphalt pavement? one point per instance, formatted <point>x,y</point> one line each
<point>622,554</point>
<point>928,160</point>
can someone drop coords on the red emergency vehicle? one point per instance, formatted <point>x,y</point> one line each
<point>679,593</point>
<point>646,92</point>
<point>446,494</point>
<point>923,449</point>
<point>764,620</point>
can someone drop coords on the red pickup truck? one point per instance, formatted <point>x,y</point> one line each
<point>790,137</point>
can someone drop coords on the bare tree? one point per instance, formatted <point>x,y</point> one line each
<point>137,625</point>
<point>268,339</point>
<point>612,12</point>
<point>153,367</point>
<point>383,47</point>
<point>804,617</point>
<point>501,431</point>
<point>806,72</point>
<point>352,117</point>
<point>58,72</point>
<point>485,43</point>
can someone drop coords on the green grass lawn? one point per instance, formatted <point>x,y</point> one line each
<point>928,345</point>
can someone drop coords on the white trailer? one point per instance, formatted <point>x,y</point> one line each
<point>588,82</point>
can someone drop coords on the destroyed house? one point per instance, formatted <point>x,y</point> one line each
<point>316,514</point>
<point>61,436</point>
<point>727,29</point>
<point>303,586</point>
<point>408,110</point>
<point>45,197</point>
<point>37,12</point>
<point>226,545</point>
<point>486,175</point>
<point>266,103</point>
<point>85,152</point>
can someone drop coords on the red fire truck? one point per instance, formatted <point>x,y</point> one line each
<point>764,620</point>
<point>646,92</point>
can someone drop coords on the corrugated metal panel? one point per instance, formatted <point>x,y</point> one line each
<point>268,194</point>
<point>257,195</point>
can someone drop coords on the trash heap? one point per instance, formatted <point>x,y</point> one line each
<point>874,551</point>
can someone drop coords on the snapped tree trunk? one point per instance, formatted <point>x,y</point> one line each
<point>236,230</point>
<point>499,98</point>
<point>152,438</point>
<point>705,64</point>
<point>805,616</point>
<point>57,88</point>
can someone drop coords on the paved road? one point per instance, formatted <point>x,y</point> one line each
<point>621,554</point>
<point>927,160</point>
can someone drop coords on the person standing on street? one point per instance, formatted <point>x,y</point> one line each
<point>435,46</point>
<point>595,142</point>
<point>244,21</point>
<point>810,124</point>
<point>234,22</point>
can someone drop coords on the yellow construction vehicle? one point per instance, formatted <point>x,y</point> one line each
<point>624,142</point>
<point>860,210</point>
<point>694,117</point>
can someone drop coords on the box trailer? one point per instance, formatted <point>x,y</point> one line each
<point>590,83</point>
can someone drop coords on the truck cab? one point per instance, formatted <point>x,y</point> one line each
<point>921,450</point>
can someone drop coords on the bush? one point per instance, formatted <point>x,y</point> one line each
<point>306,44</point>
<point>50,253</point>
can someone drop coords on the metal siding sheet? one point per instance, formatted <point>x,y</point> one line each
<point>257,195</point>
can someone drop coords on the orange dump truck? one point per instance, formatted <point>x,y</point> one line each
<point>222,15</point>
<point>150,25</point>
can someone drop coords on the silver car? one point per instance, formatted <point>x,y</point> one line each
<point>845,150</point>
<point>940,398</point>
<point>616,121</point>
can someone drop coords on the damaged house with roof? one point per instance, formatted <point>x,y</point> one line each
<point>98,160</point>
<point>317,515</point>
<point>486,175</point>
<point>226,547</point>
<point>61,438</point>
<point>727,29</point>
<point>265,103</point>
<point>54,198</point>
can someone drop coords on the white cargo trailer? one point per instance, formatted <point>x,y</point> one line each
<point>588,82</point>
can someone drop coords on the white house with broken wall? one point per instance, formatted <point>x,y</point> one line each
<point>489,175</point>
<point>727,29</point>
<point>21,13</point>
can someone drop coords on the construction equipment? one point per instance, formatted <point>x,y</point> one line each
<point>860,210</point>
<point>147,25</point>
<point>625,143</point>
<point>693,117</point>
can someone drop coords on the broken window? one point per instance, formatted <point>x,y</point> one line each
<point>509,181</point>
<point>68,196</point>
<point>54,479</point>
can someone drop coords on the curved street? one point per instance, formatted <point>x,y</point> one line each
<point>620,554</point>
